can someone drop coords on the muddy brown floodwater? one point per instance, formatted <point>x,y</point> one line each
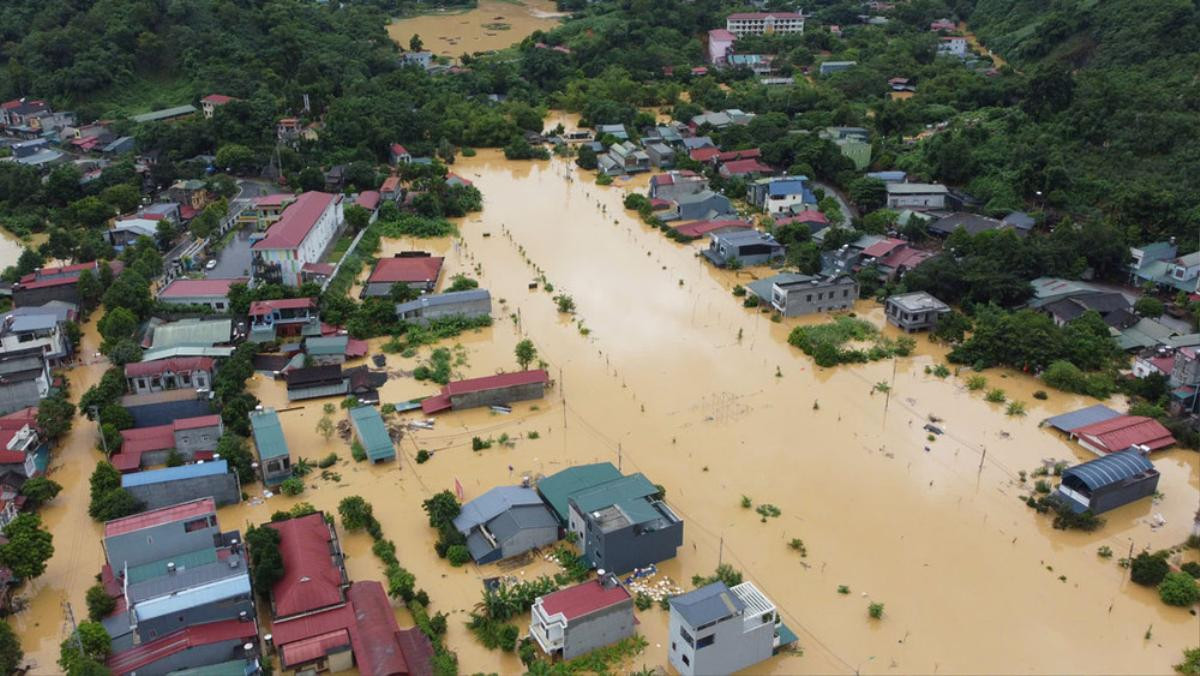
<point>492,25</point>
<point>11,246</point>
<point>675,379</point>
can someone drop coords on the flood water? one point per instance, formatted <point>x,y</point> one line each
<point>675,379</point>
<point>11,246</point>
<point>492,25</point>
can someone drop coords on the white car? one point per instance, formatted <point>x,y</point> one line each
<point>210,264</point>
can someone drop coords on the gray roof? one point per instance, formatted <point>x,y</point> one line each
<point>39,322</point>
<point>916,188</point>
<point>165,113</point>
<point>193,332</point>
<point>493,503</point>
<point>441,299</point>
<point>740,237</point>
<point>61,309</point>
<point>762,288</point>
<point>155,476</point>
<point>1020,220</point>
<point>1110,469</point>
<point>151,415</point>
<point>972,223</point>
<point>1081,418</point>
<point>707,604</point>
<point>695,142</point>
<point>520,518</point>
<point>917,301</point>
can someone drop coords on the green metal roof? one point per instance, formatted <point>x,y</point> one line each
<point>372,433</point>
<point>558,487</point>
<point>148,571</point>
<point>326,346</point>
<point>629,493</point>
<point>200,332</point>
<point>786,635</point>
<point>268,435</point>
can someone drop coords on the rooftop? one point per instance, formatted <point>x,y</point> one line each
<point>558,487</point>
<point>297,221</point>
<point>198,332</point>
<point>1110,469</point>
<point>175,365</point>
<point>493,503</point>
<point>157,476</point>
<point>164,114</point>
<point>918,301</point>
<point>191,288</point>
<point>709,603</point>
<point>158,517</point>
<point>406,269</point>
<point>268,435</point>
<point>263,307</point>
<point>141,656</point>
<point>441,299</point>
<point>916,189</point>
<point>496,382</point>
<point>372,433</point>
<point>310,578</point>
<point>1122,432</point>
<point>583,599</point>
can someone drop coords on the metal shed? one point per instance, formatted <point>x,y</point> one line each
<point>1108,482</point>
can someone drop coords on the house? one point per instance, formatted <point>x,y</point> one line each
<point>504,522</point>
<point>888,176</point>
<point>283,318</point>
<point>576,620</point>
<point>780,194</point>
<point>691,143</point>
<point>893,257</point>
<point>624,524</point>
<point>815,220</point>
<point>916,196</point>
<point>289,130</point>
<point>36,153</point>
<point>316,382</point>
<point>719,120</point>
<point>160,211</point>
<point>804,295</point>
<point>210,103</point>
<point>414,269</point>
<point>369,200</point>
<point>673,184</point>
<point>191,194</point>
<point>1123,432</point>
<point>213,293</point>
<point>661,155</point>
<point>1020,221</point>
<point>199,335</point>
<point>703,205</point>
<point>43,327</point>
<point>469,304</point>
<point>314,575</point>
<point>720,44</point>
<point>266,209</point>
<point>335,178</point>
<point>1159,264</point>
<point>23,452</point>
<point>558,487</point>
<point>916,311</point>
<point>1108,482</point>
<point>325,350</point>
<point>169,374</point>
<point>166,114</point>
<point>973,224</point>
<point>942,25</point>
<point>19,112</point>
<point>698,229</point>
<point>56,283</point>
<point>1069,422</point>
<point>616,131</point>
<point>831,67</point>
<point>274,459</point>
<point>759,64</point>
<point>372,434</point>
<point>719,630</point>
<point>764,23</point>
<point>222,647</point>
<point>194,439</point>
<point>1114,308</point>
<point>171,569</point>
<point>743,248</point>
<point>301,235</point>
<point>952,45</point>
<point>129,230</point>
<point>744,169</point>
<point>499,390</point>
<point>24,379</point>
<point>398,154</point>
<point>422,60</point>
<point>120,146</point>
<point>627,159</point>
<point>164,487</point>
<point>390,190</point>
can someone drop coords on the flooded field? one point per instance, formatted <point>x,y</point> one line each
<point>11,246</point>
<point>492,25</point>
<point>662,371</point>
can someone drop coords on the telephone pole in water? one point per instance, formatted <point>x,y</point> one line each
<point>74,627</point>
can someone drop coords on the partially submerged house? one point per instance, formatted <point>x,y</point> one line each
<point>168,486</point>
<point>191,373</point>
<point>577,620</point>
<point>498,390</point>
<point>301,235</point>
<point>414,269</point>
<point>326,350</point>
<point>274,459</point>
<point>1108,482</point>
<point>916,311</point>
<point>372,434</point>
<point>699,206</point>
<point>803,294</point>
<point>317,381</point>
<point>39,326</point>
<point>624,524</point>
<point>743,247</point>
<point>504,522</point>
<point>194,439</point>
<point>468,304</point>
<point>211,292</point>
<point>557,488</point>
<point>721,630</point>
<point>24,379</point>
<point>1123,432</point>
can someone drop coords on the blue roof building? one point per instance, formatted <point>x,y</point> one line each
<point>719,630</point>
<point>274,460</point>
<point>504,522</point>
<point>1108,482</point>
<point>372,433</point>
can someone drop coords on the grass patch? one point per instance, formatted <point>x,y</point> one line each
<point>826,343</point>
<point>339,249</point>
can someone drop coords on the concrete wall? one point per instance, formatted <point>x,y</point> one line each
<point>223,488</point>
<point>157,543</point>
<point>731,649</point>
<point>498,397</point>
<point>620,551</point>
<point>587,633</point>
<point>169,380</point>
<point>198,439</point>
<point>474,308</point>
<point>912,321</point>
<point>810,298</point>
<point>1115,495</point>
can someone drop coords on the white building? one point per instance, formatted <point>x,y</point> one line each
<point>760,23</point>
<point>719,630</point>
<point>300,236</point>
<point>916,196</point>
<point>954,45</point>
<point>38,327</point>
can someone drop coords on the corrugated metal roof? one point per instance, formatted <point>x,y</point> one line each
<point>1110,469</point>
<point>184,561</point>
<point>624,491</point>
<point>492,503</point>
<point>372,433</point>
<point>268,435</point>
<point>1081,418</point>
<point>496,382</point>
<point>558,487</point>
<point>157,517</point>
<point>583,599</point>
<point>157,353</point>
<point>297,221</point>
<point>707,604</point>
<point>192,597</point>
<point>310,580</point>
<point>1118,434</point>
<point>199,332</point>
<point>324,346</point>
<point>441,299</point>
<point>157,476</point>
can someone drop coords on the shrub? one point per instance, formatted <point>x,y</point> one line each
<point>1178,589</point>
<point>422,456</point>
<point>1149,569</point>
<point>478,444</point>
<point>996,396</point>
<point>1104,552</point>
<point>1015,408</point>
<point>357,451</point>
<point>1040,395</point>
<point>565,303</point>
<point>875,611</point>
<point>292,486</point>
<point>328,461</point>
<point>843,589</point>
<point>355,512</point>
<point>1191,568</point>
<point>643,601</point>
<point>174,458</point>
<point>457,555</point>
<point>941,371</point>
<point>1042,486</point>
<point>976,383</point>
<point>747,503</point>
<point>99,603</point>
<point>739,291</point>
<point>1190,666</point>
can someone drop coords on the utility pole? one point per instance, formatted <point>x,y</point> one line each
<point>721,551</point>
<point>981,459</point>
<point>100,426</point>
<point>619,454</point>
<point>74,627</point>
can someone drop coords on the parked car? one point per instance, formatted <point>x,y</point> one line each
<point>212,263</point>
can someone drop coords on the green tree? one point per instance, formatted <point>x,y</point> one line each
<point>1149,569</point>
<point>123,197</point>
<point>526,353</point>
<point>415,44</point>
<point>99,604</point>
<point>462,283</point>
<point>89,289</point>
<point>441,508</point>
<point>29,547</point>
<point>325,427</point>
<point>97,646</point>
<point>356,512</point>
<point>1147,306</point>
<point>116,324</point>
<point>39,490</point>
<point>235,158</point>
<point>11,654</point>
<point>266,563</point>
<point>868,193</point>
<point>1179,589</point>
<point>311,178</point>
<point>54,417</point>
<point>357,217</point>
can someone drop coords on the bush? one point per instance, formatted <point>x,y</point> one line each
<point>739,291</point>
<point>328,461</point>
<point>292,486</point>
<point>643,601</point>
<point>355,512</point>
<point>357,451</point>
<point>422,456</point>
<point>1191,568</point>
<point>174,458</point>
<point>99,604</point>
<point>1179,589</point>
<point>976,383</point>
<point>457,555</point>
<point>1149,569</point>
<point>1040,395</point>
<point>875,611</point>
<point>1015,408</point>
<point>1190,666</point>
<point>996,396</point>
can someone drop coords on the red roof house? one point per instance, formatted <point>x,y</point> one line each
<point>368,199</point>
<point>702,228</point>
<point>419,272</point>
<point>500,389</point>
<point>261,308</point>
<point>157,517</point>
<point>311,580</point>
<point>806,216</point>
<point>704,154</point>
<point>1122,432</point>
<point>138,658</point>
<point>297,221</point>
<point>750,167</point>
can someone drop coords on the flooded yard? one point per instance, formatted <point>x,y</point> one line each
<point>492,25</point>
<point>11,246</point>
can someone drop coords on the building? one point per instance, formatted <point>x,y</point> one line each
<point>917,196</point>
<point>748,168</point>
<point>24,379</point>
<point>22,450</point>
<point>661,155</point>
<point>743,248</point>
<point>326,350</point>
<point>164,487</point>
<point>1160,264</point>
<point>717,120</point>
<point>804,295</point>
<point>58,283</point>
<point>469,304</point>
<point>120,146</point>
<point>698,229</point>
<point>675,184</point>
<point>194,439</point>
<point>764,23</point>
<point>210,103</point>
<point>916,311</point>
<point>274,460</point>
<point>43,327</point>
<point>301,235</point>
<point>623,158</point>
<point>616,131</point>
<point>1108,482</point>
<point>169,374</point>
<point>942,25</point>
<point>390,189</point>
<point>213,293</point>
<point>1114,308</point>
<point>423,60</point>
<point>577,620</point>
<point>284,318</point>
<point>498,390</point>
<point>129,230</point>
<point>166,114</point>
<point>372,434</point>
<point>316,382</point>
<point>720,45</point>
<point>504,522</point>
<point>831,67</point>
<point>222,647</point>
<point>415,269</point>
<point>21,112</point>
<point>624,524</point>
<point>398,154</point>
<point>556,489</point>
<point>719,630</point>
<point>1123,432</point>
<point>265,210</point>
<point>705,205</point>
<point>781,195</point>
<point>952,45</point>
<point>973,224</point>
<point>201,334</point>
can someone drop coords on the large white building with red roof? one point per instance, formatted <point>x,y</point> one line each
<point>764,23</point>
<point>301,235</point>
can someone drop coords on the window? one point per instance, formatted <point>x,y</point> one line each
<point>195,525</point>
<point>845,293</point>
<point>687,661</point>
<point>705,641</point>
<point>185,378</point>
<point>687,637</point>
<point>674,647</point>
<point>808,298</point>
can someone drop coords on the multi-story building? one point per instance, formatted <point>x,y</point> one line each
<point>210,103</point>
<point>283,318</point>
<point>764,23</point>
<point>58,283</point>
<point>301,235</point>
<point>803,295</point>
<point>577,620</point>
<point>624,524</point>
<point>719,630</point>
<point>41,327</point>
<point>24,379</point>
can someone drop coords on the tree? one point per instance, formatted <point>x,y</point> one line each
<point>1147,306</point>
<point>951,327</point>
<point>28,547</point>
<point>292,486</point>
<point>11,654</point>
<point>89,289</point>
<point>415,44</point>
<point>868,193</point>
<point>97,646</point>
<point>442,508</point>
<point>462,283</point>
<point>1149,569</point>
<point>356,512</point>
<point>54,417</point>
<point>311,178</point>
<point>234,448</point>
<point>357,217</point>
<point>325,427</point>
<point>132,291</point>
<point>116,324</point>
<point>235,158</point>
<point>526,353</point>
<point>39,490</point>
<point>99,604</point>
<point>1179,589</point>
<point>114,504</point>
<point>122,197</point>
<point>266,562</point>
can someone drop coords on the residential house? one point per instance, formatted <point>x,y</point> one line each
<point>127,231</point>
<point>43,327</point>
<point>673,184</point>
<point>289,130</point>
<point>1160,264</point>
<point>158,488</point>
<point>326,350</point>
<point>274,459</point>
<point>556,489</point>
<point>1185,380</point>
<point>576,620</point>
<point>265,210</point>
<point>624,524</point>
<point>369,200</point>
<point>719,630</point>
<point>749,168</point>
<point>1114,308</point>
<point>691,143</point>
<point>335,178</point>
<point>284,318</point>
<point>398,154</point>
<point>973,224</point>
<point>703,205</point>
<point>918,196</point>
<point>174,569</point>
<point>1020,221</point>
<point>804,295</point>
<point>222,647</point>
<point>469,304</point>
<point>36,153</point>
<point>942,25</point>
<point>719,119</point>
<point>422,60</point>
<point>504,522</point>
<point>120,146</point>
<point>213,293</point>
<point>23,451</point>
<point>952,45</point>
<point>24,379</point>
<point>210,103</point>
<point>781,194</point>
<point>20,112</point>
<point>301,235</point>
<point>916,311</point>
<point>372,434</point>
<point>159,211</point>
<point>201,334</point>
<point>1123,432</point>
<point>812,218</point>
<point>415,269</point>
<point>698,229</point>
<point>743,248</point>
<point>831,67</point>
<point>56,283</point>
<point>893,257</point>
<point>720,45</point>
<point>194,439</point>
<point>169,374</point>
<point>190,194</point>
<point>764,23</point>
<point>759,64</point>
<point>1069,422</point>
<point>616,131</point>
<point>391,191</point>
<point>499,390</point>
<point>661,155</point>
<point>1108,482</point>
<point>888,176</point>
<point>316,382</point>
<point>626,158</point>
<point>165,114</point>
